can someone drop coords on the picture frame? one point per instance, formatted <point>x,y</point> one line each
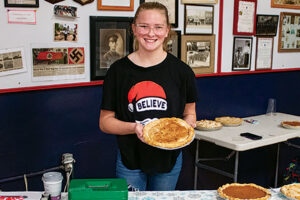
<point>172,7</point>
<point>266,25</point>
<point>244,17</point>
<point>22,3</point>
<point>54,1</point>
<point>264,53</point>
<point>198,51</point>
<point>198,19</point>
<point>110,39</point>
<point>84,2</point>
<point>242,53</point>
<point>199,1</point>
<point>173,45</point>
<point>290,4</point>
<point>289,32</point>
<point>116,5</point>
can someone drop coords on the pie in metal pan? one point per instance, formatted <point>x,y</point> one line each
<point>168,133</point>
<point>208,125</point>
<point>247,191</point>
<point>291,124</point>
<point>291,191</point>
<point>229,121</point>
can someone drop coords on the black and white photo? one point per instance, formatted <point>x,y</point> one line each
<point>242,48</point>
<point>173,45</point>
<point>198,52</point>
<point>198,19</point>
<point>110,39</point>
<point>266,25</point>
<point>112,46</point>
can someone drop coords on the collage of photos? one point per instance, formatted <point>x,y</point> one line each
<point>290,32</point>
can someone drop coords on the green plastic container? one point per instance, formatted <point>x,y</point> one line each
<point>98,189</point>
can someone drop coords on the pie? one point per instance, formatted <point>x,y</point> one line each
<point>291,190</point>
<point>208,125</point>
<point>237,191</point>
<point>168,133</point>
<point>229,121</point>
<point>291,124</point>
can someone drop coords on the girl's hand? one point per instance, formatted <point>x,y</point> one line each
<point>191,122</point>
<point>139,131</point>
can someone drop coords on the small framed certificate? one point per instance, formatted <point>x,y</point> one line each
<point>244,19</point>
<point>264,53</point>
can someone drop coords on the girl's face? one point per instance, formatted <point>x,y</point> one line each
<point>150,29</point>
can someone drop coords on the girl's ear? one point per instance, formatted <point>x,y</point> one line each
<point>133,28</point>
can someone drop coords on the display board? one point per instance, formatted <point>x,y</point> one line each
<point>40,38</point>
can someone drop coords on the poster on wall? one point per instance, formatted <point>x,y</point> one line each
<point>244,19</point>
<point>12,61</point>
<point>58,63</point>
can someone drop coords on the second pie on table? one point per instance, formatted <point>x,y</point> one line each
<point>291,190</point>
<point>249,191</point>
<point>229,121</point>
<point>168,133</point>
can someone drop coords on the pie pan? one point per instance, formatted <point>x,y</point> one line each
<point>208,129</point>
<point>164,148</point>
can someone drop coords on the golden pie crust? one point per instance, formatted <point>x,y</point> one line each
<point>291,190</point>
<point>168,133</point>
<point>249,191</point>
<point>229,121</point>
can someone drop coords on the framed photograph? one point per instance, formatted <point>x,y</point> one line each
<point>198,19</point>
<point>264,53</point>
<point>110,40</point>
<point>172,7</point>
<point>119,5</point>
<point>241,56</point>
<point>291,4</point>
<point>199,53</point>
<point>22,3</point>
<point>244,17</point>
<point>174,43</point>
<point>266,25</point>
<point>289,32</point>
<point>199,1</point>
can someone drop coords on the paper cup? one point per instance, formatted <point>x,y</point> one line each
<point>52,183</point>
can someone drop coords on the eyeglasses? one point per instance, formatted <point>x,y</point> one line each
<point>144,29</point>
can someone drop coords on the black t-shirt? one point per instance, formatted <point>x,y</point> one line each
<point>138,94</point>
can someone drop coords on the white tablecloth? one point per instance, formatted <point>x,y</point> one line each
<point>164,195</point>
<point>188,195</point>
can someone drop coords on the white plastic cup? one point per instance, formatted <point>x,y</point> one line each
<point>52,183</point>
<point>271,109</point>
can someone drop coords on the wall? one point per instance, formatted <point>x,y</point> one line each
<point>37,127</point>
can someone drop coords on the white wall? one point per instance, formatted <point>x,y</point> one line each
<point>41,34</point>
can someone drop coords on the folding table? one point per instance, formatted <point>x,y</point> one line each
<point>229,137</point>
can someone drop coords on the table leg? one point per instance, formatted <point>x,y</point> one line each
<point>236,165</point>
<point>277,165</point>
<point>196,168</point>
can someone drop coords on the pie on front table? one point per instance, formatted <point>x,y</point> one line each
<point>229,121</point>
<point>237,191</point>
<point>168,133</point>
<point>291,124</point>
<point>291,190</point>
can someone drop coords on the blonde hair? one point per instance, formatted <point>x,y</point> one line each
<point>152,6</point>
